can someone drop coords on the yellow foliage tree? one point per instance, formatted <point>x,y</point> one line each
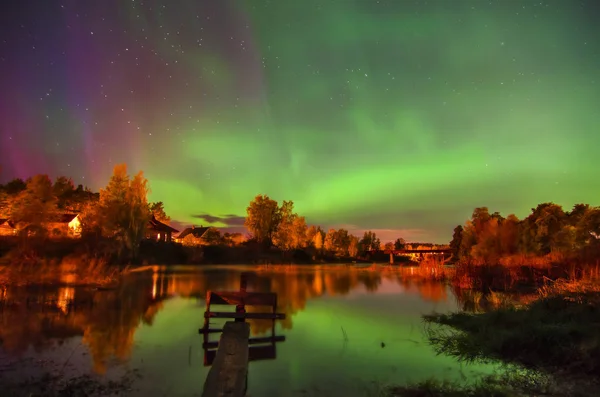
<point>262,218</point>
<point>123,208</point>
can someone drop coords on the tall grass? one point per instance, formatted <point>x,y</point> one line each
<point>72,270</point>
<point>520,271</point>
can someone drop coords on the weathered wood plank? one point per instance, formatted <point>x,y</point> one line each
<point>210,330</point>
<point>255,353</point>
<point>229,372</point>
<point>257,316</point>
<point>243,298</point>
<point>251,341</point>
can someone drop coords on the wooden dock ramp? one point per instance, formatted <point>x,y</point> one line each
<point>228,376</point>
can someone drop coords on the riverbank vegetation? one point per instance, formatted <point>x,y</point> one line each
<point>491,251</point>
<point>554,340</point>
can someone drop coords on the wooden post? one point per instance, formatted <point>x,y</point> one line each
<point>228,376</point>
<point>206,319</point>
<point>241,308</point>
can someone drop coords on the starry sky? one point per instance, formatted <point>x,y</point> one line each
<point>398,116</point>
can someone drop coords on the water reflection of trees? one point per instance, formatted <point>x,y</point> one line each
<point>107,320</point>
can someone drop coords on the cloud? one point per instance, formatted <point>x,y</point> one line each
<point>227,220</point>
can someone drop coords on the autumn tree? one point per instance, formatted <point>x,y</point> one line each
<point>299,228</point>
<point>509,235</point>
<point>317,241</point>
<point>342,241</point>
<point>283,237</point>
<point>329,241</point>
<point>34,206</point>
<point>353,247</point>
<point>399,244</point>
<point>311,232</point>
<point>212,236</point>
<point>63,188</point>
<point>262,218</point>
<point>15,186</point>
<point>588,230</point>
<point>4,204</point>
<point>456,242</point>
<point>388,246</point>
<point>124,209</point>
<point>370,241</point>
<point>158,210</point>
<point>540,229</point>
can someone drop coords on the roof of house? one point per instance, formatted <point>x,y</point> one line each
<point>62,218</point>
<point>197,232</point>
<point>158,226</point>
<point>6,222</point>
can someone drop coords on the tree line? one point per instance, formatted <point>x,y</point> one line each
<point>120,211</point>
<point>548,229</point>
<point>277,225</point>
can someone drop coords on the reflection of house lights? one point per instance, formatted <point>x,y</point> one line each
<point>154,282</point>
<point>65,296</point>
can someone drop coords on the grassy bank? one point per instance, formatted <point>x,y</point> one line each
<point>556,337</point>
<point>70,270</point>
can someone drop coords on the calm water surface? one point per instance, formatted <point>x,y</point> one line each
<point>347,330</point>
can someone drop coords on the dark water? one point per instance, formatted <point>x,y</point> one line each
<point>347,331</point>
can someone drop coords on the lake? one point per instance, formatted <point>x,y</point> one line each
<point>348,330</point>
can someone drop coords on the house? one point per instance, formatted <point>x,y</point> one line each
<point>159,231</point>
<point>64,225</point>
<point>193,236</point>
<point>7,228</point>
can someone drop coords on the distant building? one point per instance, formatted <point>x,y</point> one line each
<point>61,225</point>
<point>159,231</point>
<point>193,236</point>
<point>7,228</point>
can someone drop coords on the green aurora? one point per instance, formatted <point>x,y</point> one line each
<point>396,116</point>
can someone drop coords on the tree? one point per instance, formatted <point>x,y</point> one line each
<point>124,209</point>
<point>456,242</point>
<point>545,221</point>
<point>299,228</point>
<point>15,187</point>
<point>212,236</point>
<point>329,243</point>
<point>63,187</point>
<point>317,241</point>
<point>284,234</point>
<point>342,241</point>
<point>588,228</point>
<point>509,235</point>
<point>4,204</point>
<point>262,218</point>
<point>370,242</point>
<point>353,247</point>
<point>158,210</point>
<point>311,232</point>
<point>399,244</point>
<point>34,207</point>
<point>388,246</point>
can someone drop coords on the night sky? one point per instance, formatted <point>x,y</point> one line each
<point>393,115</point>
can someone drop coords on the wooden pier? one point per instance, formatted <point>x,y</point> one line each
<point>229,357</point>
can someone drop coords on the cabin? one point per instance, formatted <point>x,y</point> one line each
<point>193,236</point>
<point>159,231</point>
<point>7,227</point>
<point>61,225</point>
